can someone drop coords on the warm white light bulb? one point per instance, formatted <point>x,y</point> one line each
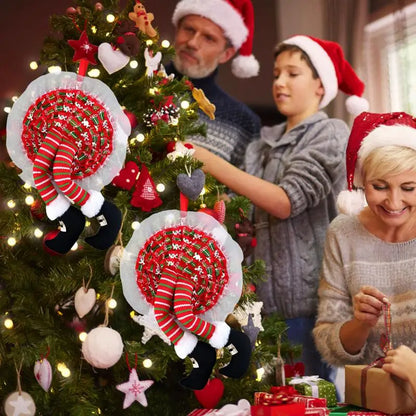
<point>94,73</point>
<point>33,65</point>
<point>133,64</point>
<point>38,233</point>
<point>165,43</point>
<point>82,336</point>
<point>8,323</point>
<point>29,200</point>
<point>11,241</point>
<point>160,187</point>
<point>147,363</point>
<point>112,303</point>
<point>185,104</point>
<point>260,373</point>
<point>11,204</point>
<point>135,225</point>
<point>110,18</point>
<point>55,69</point>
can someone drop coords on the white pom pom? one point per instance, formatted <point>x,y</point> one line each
<point>103,347</point>
<point>245,66</point>
<point>356,105</point>
<point>351,202</point>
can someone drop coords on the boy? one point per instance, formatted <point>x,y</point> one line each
<point>293,175</point>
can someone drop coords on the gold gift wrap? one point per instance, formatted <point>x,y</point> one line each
<point>382,391</point>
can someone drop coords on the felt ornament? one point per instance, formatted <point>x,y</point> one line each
<point>102,347</point>
<point>43,373</point>
<point>98,6</point>
<point>134,389</point>
<point>127,176</point>
<point>151,61</point>
<point>72,127</point>
<point>251,331</point>
<point>145,195</point>
<point>84,300</point>
<point>126,38</point>
<point>219,208</point>
<point>19,403</point>
<point>211,394</point>
<point>204,103</point>
<point>112,259</point>
<point>111,59</point>
<point>186,268</point>
<point>295,370</point>
<point>142,19</point>
<point>178,149</point>
<point>166,111</point>
<point>83,49</point>
<point>242,408</point>
<point>192,184</point>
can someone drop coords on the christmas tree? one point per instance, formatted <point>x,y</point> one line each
<point>51,304</point>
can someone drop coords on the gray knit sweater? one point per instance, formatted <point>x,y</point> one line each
<point>308,163</point>
<point>353,257</point>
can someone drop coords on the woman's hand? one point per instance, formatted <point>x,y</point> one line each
<point>368,305</point>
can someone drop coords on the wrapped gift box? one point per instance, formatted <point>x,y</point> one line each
<point>201,412</point>
<point>374,389</point>
<point>311,402</point>
<point>291,409</point>
<point>315,387</point>
<point>317,411</point>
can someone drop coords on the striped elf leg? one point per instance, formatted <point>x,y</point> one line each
<point>184,342</point>
<point>56,204</point>
<point>71,220</point>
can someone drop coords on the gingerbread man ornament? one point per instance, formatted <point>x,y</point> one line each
<point>143,19</point>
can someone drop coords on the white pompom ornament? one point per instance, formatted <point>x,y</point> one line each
<point>19,403</point>
<point>43,373</point>
<point>84,300</point>
<point>103,347</point>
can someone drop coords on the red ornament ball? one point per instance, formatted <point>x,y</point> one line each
<point>71,11</point>
<point>37,210</point>
<point>132,118</point>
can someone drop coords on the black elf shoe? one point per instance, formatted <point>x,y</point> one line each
<point>239,346</point>
<point>109,219</point>
<point>203,359</point>
<point>71,223</point>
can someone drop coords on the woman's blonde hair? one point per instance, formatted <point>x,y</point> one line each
<point>388,161</point>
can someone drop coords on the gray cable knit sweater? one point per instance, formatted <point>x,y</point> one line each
<point>308,162</point>
<point>353,257</point>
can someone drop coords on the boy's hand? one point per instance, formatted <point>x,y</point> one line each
<point>401,362</point>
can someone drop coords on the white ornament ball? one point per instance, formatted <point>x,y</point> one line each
<point>43,373</point>
<point>19,404</point>
<point>84,300</point>
<point>103,347</point>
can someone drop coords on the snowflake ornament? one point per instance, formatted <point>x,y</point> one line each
<point>151,327</point>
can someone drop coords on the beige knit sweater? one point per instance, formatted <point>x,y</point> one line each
<point>353,257</point>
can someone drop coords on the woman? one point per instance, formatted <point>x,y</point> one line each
<point>370,255</point>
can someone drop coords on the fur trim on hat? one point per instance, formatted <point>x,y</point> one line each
<point>356,105</point>
<point>351,202</point>
<point>245,66</point>
<point>185,345</point>
<point>220,336</point>
<point>220,12</point>
<point>322,63</point>
<point>57,207</point>
<point>92,207</point>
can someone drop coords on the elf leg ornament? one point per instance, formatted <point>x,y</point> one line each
<point>186,269</point>
<point>68,135</point>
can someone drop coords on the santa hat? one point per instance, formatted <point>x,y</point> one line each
<point>371,131</point>
<point>236,19</point>
<point>333,70</point>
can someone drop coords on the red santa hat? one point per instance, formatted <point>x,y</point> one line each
<point>333,70</point>
<point>371,131</point>
<point>236,19</point>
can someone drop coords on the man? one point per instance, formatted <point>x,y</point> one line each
<point>209,33</point>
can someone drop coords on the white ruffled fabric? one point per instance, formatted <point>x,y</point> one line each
<point>62,81</point>
<point>166,219</point>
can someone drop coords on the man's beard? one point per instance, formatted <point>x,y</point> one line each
<point>195,71</point>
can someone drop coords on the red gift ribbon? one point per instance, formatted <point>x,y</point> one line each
<point>385,344</point>
<point>272,399</point>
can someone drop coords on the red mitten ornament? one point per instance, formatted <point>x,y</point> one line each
<point>127,176</point>
<point>145,195</point>
<point>295,370</point>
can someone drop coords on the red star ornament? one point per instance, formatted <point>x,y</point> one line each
<point>134,389</point>
<point>83,49</point>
